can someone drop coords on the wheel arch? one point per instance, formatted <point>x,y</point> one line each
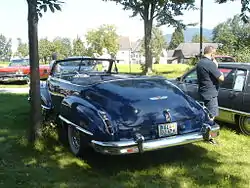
<point>80,113</point>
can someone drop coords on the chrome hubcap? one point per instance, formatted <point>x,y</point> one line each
<point>246,124</point>
<point>75,138</point>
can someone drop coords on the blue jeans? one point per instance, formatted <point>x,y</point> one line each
<point>212,106</point>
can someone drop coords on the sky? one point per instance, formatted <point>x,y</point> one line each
<point>79,16</point>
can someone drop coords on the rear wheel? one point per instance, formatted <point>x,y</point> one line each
<point>77,143</point>
<point>244,125</point>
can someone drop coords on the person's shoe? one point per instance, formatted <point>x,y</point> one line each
<point>212,141</point>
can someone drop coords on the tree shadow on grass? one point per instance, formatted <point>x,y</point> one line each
<point>51,165</point>
<point>231,126</point>
<point>13,83</point>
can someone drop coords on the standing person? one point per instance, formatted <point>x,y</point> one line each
<point>54,58</point>
<point>209,78</point>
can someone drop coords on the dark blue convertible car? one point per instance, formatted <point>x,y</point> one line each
<point>118,113</point>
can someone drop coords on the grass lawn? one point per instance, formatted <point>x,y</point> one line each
<point>167,70</point>
<point>51,165</point>
<point>3,64</point>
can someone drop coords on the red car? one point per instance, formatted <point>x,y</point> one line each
<point>19,70</point>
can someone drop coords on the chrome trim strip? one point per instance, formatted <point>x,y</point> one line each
<point>231,110</point>
<point>76,126</point>
<point>114,148</point>
<point>235,111</point>
<point>45,107</point>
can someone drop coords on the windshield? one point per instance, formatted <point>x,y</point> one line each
<point>19,62</point>
<point>80,67</point>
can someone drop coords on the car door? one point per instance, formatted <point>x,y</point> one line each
<point>231,92</point>
<point>237,93</point>
<point>54,87</point>
<point>189,84</point>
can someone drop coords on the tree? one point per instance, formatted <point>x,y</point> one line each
<point>35,8</point>
<point>234,35</point>
<point>103,37</point>
<point>45,49</point>
<point>158,44</point>
<point>78,47</point>
<point>62,46</point>
<point>163,11</point>
<point>245,9</point>
<point>22,48</point>
<point>5,48</point>
<point>176,39</point>
<point>196,38</point>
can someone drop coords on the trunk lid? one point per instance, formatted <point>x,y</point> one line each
<point>141,104</point>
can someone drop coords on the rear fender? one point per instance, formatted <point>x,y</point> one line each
<point>82,114</point>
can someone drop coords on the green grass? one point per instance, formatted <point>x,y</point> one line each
<point>51,165</point>
<point>3,64</point>
<point>167,70</point>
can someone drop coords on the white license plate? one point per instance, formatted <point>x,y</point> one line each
<point>168,129</point>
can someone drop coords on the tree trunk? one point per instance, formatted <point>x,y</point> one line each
<point>148,24</point>
<point>147,42</point>
<point>35,127</point>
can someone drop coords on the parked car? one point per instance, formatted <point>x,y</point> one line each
<point>120,114</point>
<point>234,93</point>
<point>224,58</point>
<point>19,70</point>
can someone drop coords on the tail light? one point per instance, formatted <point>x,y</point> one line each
<point>107,123</point>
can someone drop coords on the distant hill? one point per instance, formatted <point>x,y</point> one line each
<point>190,32</point>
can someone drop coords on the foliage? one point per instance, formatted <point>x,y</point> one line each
<point>103,37</point>
<point>234,37</point>
<point>45,49</point>
<point>243,55</point>
<point>177,38</point>
<point>196,38</point>
<point>44,5</point>
<point>158,44</point>
<point>245,9</point>
<point>193,61</point>
<point>78,47</point>
<point>164,12</point>
<point>22,48</point>
<point>5,48</point>
<point>62,46</point>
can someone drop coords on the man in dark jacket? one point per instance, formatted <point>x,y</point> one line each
<point>209,78</point>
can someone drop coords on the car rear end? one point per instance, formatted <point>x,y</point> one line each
<point>151,114</point>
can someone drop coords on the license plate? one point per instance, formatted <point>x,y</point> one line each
<point>168,129</point>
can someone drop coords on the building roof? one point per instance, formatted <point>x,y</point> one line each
<point>124,43</point>
<point>170,53</point>
<point>136,46</point>
<point>192,49</point>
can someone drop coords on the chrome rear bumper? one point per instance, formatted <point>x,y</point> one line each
<point>139,146</point>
